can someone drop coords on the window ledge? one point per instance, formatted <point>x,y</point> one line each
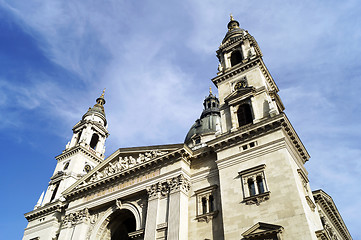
<point>207,216</point>
<point>257,199</point>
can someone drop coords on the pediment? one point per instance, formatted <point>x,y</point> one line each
<point>125,161</point>
<point>262,229</point>
<point>240,95</point>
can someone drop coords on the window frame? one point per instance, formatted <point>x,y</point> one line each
<point>252,175</point>
<point>205,215</point>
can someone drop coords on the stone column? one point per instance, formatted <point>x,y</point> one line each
<point>178,208</point>
<point>224,126</point>
<point>234,118</point>
<point>152,210</point>
<point>255,110</point>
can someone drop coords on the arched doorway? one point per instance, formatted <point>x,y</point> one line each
<point>117,222</point>
<point>121,223</point>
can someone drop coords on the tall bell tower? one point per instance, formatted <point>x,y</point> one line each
<point>82,153</point>
<point>247,92</point>
<point>262,178</point>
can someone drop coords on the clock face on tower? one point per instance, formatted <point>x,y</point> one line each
<point>87,168</point>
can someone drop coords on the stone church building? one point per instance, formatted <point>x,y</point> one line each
<point>239,174</point>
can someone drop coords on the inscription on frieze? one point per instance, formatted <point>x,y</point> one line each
<point>122,185</point>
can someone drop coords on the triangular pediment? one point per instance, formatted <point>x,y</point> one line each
<point>261,229</point>
<point>125,161</point>
<point>240,95</point>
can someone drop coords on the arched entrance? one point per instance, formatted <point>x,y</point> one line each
<point>120,224</point>
<point>117,223</point>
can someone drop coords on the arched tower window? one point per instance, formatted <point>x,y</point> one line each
<point>204,205</point>
<point>94,141</point>
<point>211,203</point>
<point>236,58</point>
<point>244,114</point>
<point>260,186</point>
<point>54,192</point>
<point>251,187</point>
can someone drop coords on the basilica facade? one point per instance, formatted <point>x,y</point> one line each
<point>239,174</point>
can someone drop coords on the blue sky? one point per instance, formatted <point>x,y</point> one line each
<point>156,59</point>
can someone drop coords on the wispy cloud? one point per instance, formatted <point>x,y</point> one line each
<point>156,60</point>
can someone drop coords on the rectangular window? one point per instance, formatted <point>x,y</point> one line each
<point>254,185</point>
<point>206,203</point>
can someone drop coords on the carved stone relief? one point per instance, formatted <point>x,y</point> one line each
<point>122,163</point>
<point>77,217</point>
<point>162,189</point>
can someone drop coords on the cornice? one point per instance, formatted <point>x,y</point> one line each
<point>70,152</point>
<point>235,70</point>
<point>183,153</point>
<point>330,209</point>
<point>39,212</point>
<point>100,127</point>
<point>247,132</point>
<point>229,139</point>
<point>238,69</point>
<point>227,45</point>
<point>255,44</point>
<point>236,40</point>
<point>295,140</point>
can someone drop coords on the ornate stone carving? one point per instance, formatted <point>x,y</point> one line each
<point>121,164</point>
<point>162,189</point>
<point>207,216</point>
<point>257,199</point>
<point>77,217</point>
<point>327,227</point>
<point>141,202</point>
<point>153,191</point>
<point>179,184</point>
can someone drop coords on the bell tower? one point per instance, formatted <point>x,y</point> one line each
<point>259,155</point>
<point>247,92</point>
<point>83,152</point>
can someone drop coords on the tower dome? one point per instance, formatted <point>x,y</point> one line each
<point>205,128</point>
<point>233,30</point>
<point>97,111</point>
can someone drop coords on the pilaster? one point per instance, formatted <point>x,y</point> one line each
<point>167,214</point>
<point>152,211</point>
<point>178,208</point>
<point>75,225</point>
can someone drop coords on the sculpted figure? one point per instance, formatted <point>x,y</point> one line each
<point>123,162</point>
<point>220,68</point>
<point>106,171</point>
<point>118,166</point>
<point>132,161</point>
<point>141,158</point>
<point>148,156</point>
<point>112,168</point>
<point>93,178</point>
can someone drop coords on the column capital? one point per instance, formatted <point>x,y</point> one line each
<point>172,185</point>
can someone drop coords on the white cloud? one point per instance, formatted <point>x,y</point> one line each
<point>138,53</point>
